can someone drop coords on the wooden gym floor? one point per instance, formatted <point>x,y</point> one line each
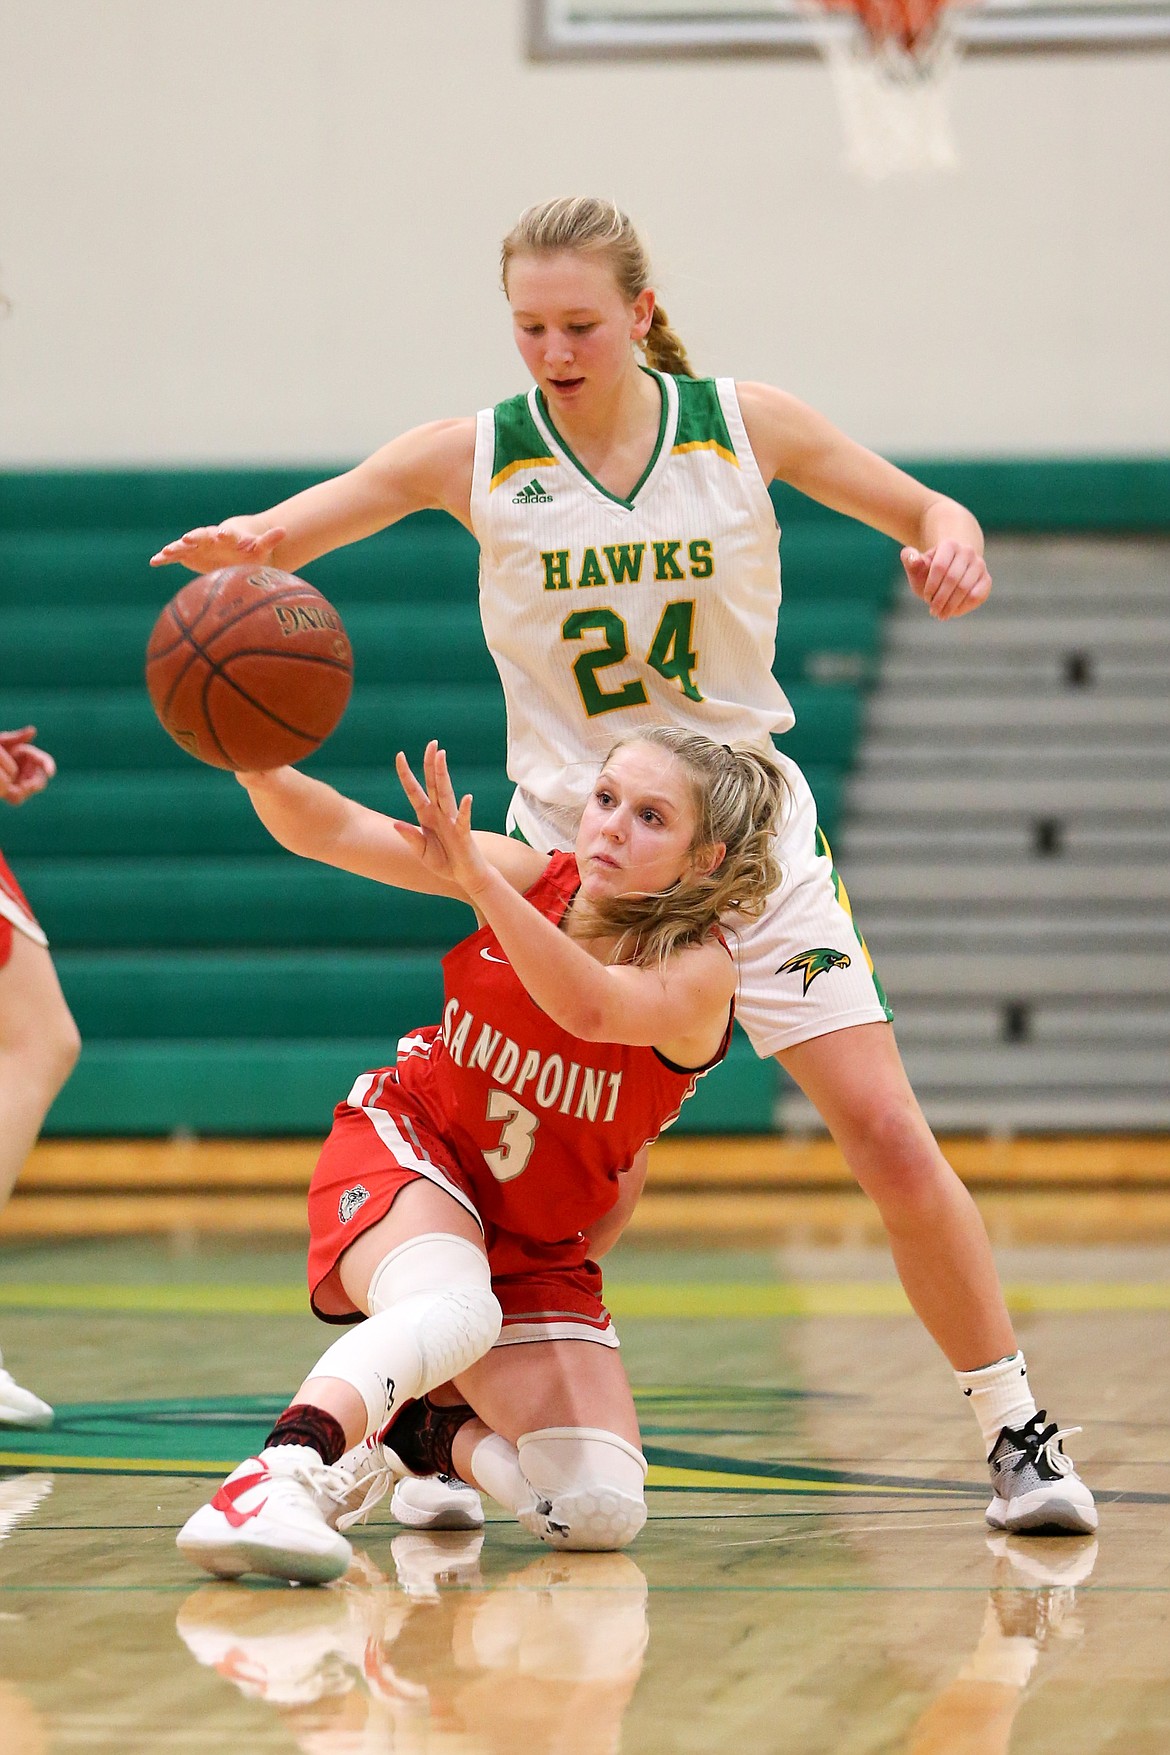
<point>815,1575</point>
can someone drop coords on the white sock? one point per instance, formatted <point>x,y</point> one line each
<point>496,1466</point>
<point>999,1395</point>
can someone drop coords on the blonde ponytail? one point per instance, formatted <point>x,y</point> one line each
<point>584,222</point>
<point>664,350</point>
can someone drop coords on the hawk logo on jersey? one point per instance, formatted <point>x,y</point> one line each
<point>532,495</point>
<point>814,963</point>
<point>351,1200</point>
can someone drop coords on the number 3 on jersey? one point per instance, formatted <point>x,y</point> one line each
<point>510,1158</point>
<point>671,654</point>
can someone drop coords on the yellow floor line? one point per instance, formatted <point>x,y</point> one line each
<point>197,1299</point>
<point>673,1300</point>
<point>39,1461</point>
<point>663,1476</point>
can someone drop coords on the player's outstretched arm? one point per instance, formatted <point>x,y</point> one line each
<point>428,468</point>
<point>598,1002</point>
<point>318,822</point>
<point>942,542</point>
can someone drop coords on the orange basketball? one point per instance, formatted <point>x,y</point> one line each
<point>249,667</point>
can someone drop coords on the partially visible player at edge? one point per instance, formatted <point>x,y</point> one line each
<point>454,1201</point>
<point>629,573</point>
<point>39,1043</point>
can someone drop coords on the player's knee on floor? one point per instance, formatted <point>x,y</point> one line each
<point>587,1485</point>
<point>432,1314</point>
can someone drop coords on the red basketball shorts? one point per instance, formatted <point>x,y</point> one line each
<point>15,913</point>
<point>382,1140</point>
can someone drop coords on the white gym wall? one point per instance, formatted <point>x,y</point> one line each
<point>236,230</point>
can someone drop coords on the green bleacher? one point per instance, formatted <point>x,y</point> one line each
<point>221,985</point>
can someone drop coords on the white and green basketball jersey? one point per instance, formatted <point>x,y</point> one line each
<point>604,614</point>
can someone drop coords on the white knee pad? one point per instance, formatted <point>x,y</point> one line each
<point>432,1314</point>
<point>587,1487</point>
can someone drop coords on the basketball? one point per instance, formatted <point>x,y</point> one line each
<point>249,668</point>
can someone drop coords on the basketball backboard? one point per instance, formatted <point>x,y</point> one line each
<point>570,29</point>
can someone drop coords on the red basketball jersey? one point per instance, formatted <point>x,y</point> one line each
<point>15,912</point>
<point>541,1121</point>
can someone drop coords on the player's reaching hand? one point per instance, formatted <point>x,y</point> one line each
<point>24,769</point>
<point>951,578</point>
<point>443,839</point>
<point>231,544</point>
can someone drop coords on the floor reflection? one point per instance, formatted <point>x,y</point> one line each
<point>544,1661</point>
<point>24,1730</point>
<point>547,1658</point>
<point>1032,1618</point>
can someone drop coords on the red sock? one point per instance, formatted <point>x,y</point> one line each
<point>305,1424</point>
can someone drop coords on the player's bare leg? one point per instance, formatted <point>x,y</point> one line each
<point>856,1080</point>
<point>551,1383</point>
<point>556,1441</point>
<point>39,1046</point>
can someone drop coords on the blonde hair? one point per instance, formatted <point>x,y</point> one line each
<point>738,795</point>
<point>585,222</point>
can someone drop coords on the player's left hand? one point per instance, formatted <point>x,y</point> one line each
<point>443,840</point>
<point>24,769</point>
<point>951,578</point>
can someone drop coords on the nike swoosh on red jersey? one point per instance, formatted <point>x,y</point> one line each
<point>488,958</point>
<point>232,1490</point>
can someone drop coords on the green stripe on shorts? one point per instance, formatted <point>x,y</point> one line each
<point>825,851</point>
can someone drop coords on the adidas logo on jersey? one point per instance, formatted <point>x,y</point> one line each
<point>532,495</point>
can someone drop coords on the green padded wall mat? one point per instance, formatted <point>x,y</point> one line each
<point>57,647</point>
<point>116,728</point>
<point>201,812</point>
<point>272,1087</point>
<point>1006,492</point>
<point>238,994</point>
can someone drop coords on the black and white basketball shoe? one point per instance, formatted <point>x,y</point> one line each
<point>1036,1488</point>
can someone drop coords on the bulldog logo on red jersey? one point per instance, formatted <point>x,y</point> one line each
<point>350,1201</point>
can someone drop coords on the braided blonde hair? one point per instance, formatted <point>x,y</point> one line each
<point>738,795</point>
<point>585,222</point>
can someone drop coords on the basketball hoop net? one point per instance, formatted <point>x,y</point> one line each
<point>891,63</point>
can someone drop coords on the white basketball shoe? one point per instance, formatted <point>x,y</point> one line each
<point>370,1470</point>
<point>274,1515</point>
<point>19,1406</point>
<point>1037,1490</point>
<point>436,1502</point>
<point>420,1502</point>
